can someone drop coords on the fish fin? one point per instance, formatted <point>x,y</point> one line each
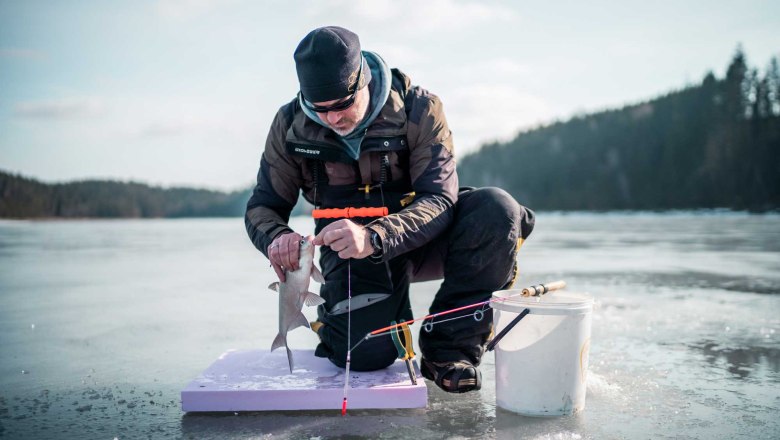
<point>274,286</point>
<point>290,359</point>
<point>299,321</point>
<point>312,299</point>
<point>316,274</point>
<point>279,341</point>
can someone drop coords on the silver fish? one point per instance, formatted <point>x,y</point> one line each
<point>293,294</point>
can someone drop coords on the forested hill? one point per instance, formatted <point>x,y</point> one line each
<point>715,145</point>
<point>21,197</point>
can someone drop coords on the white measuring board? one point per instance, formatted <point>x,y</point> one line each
<point>260,380</point>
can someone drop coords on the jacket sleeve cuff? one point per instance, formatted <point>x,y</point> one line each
<point>382,234</point>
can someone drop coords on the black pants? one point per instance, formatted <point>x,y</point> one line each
<point>475,256</point>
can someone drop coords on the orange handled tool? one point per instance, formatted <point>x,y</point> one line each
<point>349,212</point>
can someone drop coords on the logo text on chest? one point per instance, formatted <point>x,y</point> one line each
<point>306,151</point>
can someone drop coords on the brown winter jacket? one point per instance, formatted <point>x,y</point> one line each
<point>410,128</point>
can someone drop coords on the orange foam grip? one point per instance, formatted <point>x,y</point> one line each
<point>349,212</point>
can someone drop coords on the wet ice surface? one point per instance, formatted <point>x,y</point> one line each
<point>102,323</point>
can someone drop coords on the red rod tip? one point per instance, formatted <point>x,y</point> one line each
<point>344,407</point>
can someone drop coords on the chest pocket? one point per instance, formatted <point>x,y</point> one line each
<point>381,160</point>
<point>384,160</point>
<point>339,173</point>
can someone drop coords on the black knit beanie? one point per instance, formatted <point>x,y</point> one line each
<point>328,60</point>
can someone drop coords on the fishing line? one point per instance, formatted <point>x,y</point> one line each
<point>349,335</point>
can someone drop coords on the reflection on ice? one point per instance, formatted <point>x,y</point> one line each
<point>511,426</point>
<point>741,362</point>
<point>684,341</point>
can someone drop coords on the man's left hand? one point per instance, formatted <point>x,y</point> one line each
<point>346,237</point>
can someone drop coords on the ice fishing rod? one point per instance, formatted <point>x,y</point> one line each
<point>537,290</point>
<point>349,332</point>
<point>349,212</point>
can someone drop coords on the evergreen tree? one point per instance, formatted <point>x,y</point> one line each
<point>762,106</point>
<point>735,86</point>
<point>28,198</point>
<point>773,86</point>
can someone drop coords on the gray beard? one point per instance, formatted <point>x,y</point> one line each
<point>343,133</point>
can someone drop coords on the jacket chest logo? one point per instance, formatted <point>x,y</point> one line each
<point>306,151</point>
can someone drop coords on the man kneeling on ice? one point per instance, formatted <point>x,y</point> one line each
<point>358,134</point>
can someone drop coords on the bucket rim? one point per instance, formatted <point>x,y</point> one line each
<point>510,300</point>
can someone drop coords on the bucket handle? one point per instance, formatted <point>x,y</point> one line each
<point>492,344</point>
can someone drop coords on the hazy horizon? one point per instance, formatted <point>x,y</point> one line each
<point>182,92</point>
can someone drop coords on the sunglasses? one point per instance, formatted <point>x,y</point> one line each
<point>339,106</point>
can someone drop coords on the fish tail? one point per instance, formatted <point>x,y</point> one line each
<point>279,341</point>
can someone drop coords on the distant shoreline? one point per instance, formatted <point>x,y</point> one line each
<point>666,213</point>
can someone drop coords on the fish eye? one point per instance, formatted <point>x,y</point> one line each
<point>303,241</point>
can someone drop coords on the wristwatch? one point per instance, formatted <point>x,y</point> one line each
<point>376,243</point>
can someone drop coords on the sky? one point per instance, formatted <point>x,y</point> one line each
<point>182,92</point>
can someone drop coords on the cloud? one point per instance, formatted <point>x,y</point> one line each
<point>396,54</point>
<point>489,100</point>
<point>177,119</point>
<point>502,70</point>
<point>188,9</point>
<point>437,15</point>
<point>28,54</point>
<point>505,67</point>
<point>167,127</point>
<point>483,112</point>
<point>162,129</point>
<point>416,17</point>
<point>66,108</point>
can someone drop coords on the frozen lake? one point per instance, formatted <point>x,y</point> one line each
<point>102,323</point>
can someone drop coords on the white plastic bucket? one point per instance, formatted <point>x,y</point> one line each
<point>542,363</point>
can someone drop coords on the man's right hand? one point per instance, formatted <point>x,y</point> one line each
<point>284,252</point>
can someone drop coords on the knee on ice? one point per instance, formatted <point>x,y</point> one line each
<point>372,354</point>
<point>499,214</point>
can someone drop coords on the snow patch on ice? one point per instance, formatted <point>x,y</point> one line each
<point>599,386</point>
<point>563,435</point>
